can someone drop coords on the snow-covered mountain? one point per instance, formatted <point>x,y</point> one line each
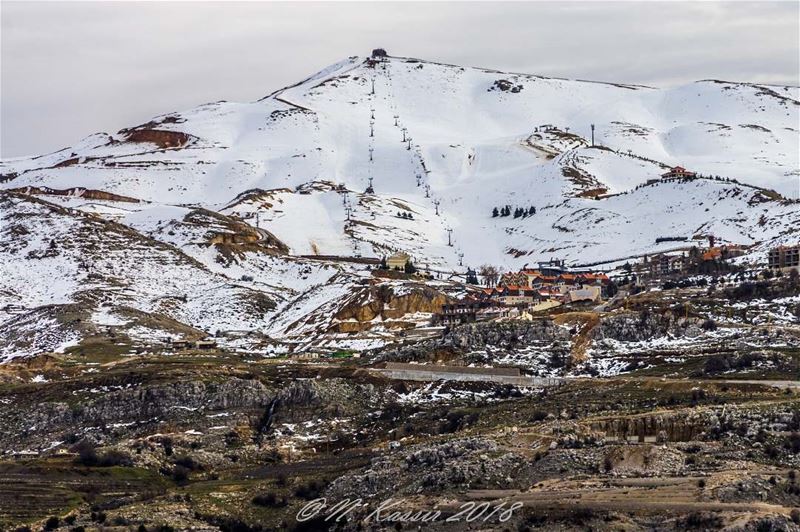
<point>442,145</point>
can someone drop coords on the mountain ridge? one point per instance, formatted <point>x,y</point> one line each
<point>372,156</point>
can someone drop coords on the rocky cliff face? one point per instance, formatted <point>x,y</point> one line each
<point>390,306</point>
<point>462,463</point>
<point>159,137</point>
<point>506,334</point>
<point>79,192</point>
<point>646,325</point>
<point>126,405</point>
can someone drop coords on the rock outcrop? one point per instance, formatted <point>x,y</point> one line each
<point>160,137</point>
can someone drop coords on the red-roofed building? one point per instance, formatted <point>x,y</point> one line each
<point>678,171</point>
<point>519,295</point>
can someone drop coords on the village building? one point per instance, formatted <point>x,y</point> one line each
<point>584,294</point>
<point>590,278</point>
<point>551,267</point>
<point>784,258</point>
<point>515,279</point>
<point>206,344</point>
<point>519,295</point>
<point>678,171</point>
<point>459,312</point>
<point>172,343</point>
<point>530,286</point>
<point>398,261</point>
<point>665,264</point>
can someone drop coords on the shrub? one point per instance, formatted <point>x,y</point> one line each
<point>87,455</point>
<point>52,523</point>
<point>701,520</point>
<point>114,458</point>
<point>716,364</point>
<point>311,490</point>
<point>188,462</point>
<point>166,443</point>
<point>771,451</point>
<point>538,415</point>
<point>180,474</point>
<point>793,443</point>
<point>269,500</point>
<point>795,516</point>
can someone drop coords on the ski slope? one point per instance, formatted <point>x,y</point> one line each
<point>442,146</point>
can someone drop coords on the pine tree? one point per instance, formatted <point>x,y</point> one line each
<point>409,267</point>
<point>495,213</point>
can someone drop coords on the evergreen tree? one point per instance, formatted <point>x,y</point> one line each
<point>612,289</point>
<point>409,267</point>
<point>384,266</point>
<point>495,213</point>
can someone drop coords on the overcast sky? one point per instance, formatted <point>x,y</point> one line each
<point>72,69</point>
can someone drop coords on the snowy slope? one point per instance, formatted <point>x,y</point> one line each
<point>71,272</point>
<point>476,139</point>
<point>133,214</point>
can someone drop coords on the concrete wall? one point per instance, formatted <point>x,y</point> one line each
<point>427,375</point>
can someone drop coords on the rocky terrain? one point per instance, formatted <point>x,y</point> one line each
<point>698,435</point>
<point>197,333</point>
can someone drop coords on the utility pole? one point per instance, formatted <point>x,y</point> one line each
<point>373,86</point>
<point>257,226</point>
<point>436,204</point>
<point>419,180</point>
<point>371,130</point>
<point>395,119</point>
<point>409,145</point>
<point>592,134</point>
<point>372,116</point>
<point>370,153</point>
<point>460,259</point>
<point>344,198</point>
<point>427,191</point>
<point>449,234</point>
<point>404,134</point>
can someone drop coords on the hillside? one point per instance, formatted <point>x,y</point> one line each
<point>212,217</point>
<point>476,139</point>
